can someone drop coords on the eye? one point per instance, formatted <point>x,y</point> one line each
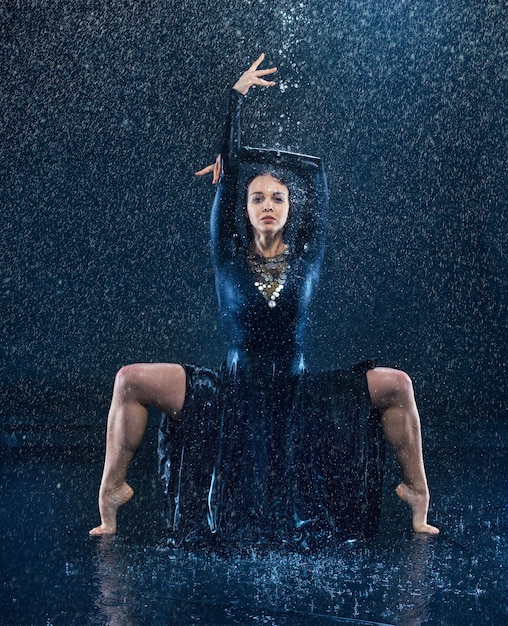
<point>257,199</point>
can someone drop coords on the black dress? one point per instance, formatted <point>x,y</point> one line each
<point>265,452</point>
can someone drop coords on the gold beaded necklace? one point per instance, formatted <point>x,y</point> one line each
<point>270,274</point>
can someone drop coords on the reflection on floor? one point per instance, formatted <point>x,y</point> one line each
<point>52,573</point>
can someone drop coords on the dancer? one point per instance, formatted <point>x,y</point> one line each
<point>260,446</point>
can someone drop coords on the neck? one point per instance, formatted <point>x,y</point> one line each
<point>268,246</point>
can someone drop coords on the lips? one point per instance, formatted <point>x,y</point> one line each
<point>268,218</point>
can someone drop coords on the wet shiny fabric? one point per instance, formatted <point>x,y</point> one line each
<point>284,460</point>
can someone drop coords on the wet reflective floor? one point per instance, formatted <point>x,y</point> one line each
<point>52,573</point>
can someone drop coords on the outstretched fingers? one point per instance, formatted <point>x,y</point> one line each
<point>257,63</point>
<point>253,76</point>
<point>256,75</point>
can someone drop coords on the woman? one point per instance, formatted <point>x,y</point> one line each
<point>256,448</point>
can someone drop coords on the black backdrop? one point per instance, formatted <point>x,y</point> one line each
<point>107,108</point>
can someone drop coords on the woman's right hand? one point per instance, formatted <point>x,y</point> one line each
<point>253,76</point>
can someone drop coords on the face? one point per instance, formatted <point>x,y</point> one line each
<point>267,204</point>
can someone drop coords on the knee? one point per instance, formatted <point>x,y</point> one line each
<point>388,386</point>
<point>400,383</point>
<point>126,380</point>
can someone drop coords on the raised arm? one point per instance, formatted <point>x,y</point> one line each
<point>223,218</point>
<point>231,137</point>
<point>231,143</point>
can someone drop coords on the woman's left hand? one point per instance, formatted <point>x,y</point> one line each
<point>216,168</point>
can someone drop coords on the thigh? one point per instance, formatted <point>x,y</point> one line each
<point>161,385</point>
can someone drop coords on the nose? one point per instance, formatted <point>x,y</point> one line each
<point>268,206</point>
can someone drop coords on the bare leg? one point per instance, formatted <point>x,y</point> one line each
<point>391,391</point>
<point>161,385</point>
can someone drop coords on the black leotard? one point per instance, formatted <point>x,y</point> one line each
<point>265,452</point>
<point>260,336</point>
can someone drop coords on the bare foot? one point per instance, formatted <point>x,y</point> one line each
<point>109,503</point>
<point>419,505</point>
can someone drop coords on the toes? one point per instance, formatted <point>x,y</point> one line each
<point>103,529</point>
<point>427,529</point>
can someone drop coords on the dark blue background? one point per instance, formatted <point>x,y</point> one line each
<point>107,109</point>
